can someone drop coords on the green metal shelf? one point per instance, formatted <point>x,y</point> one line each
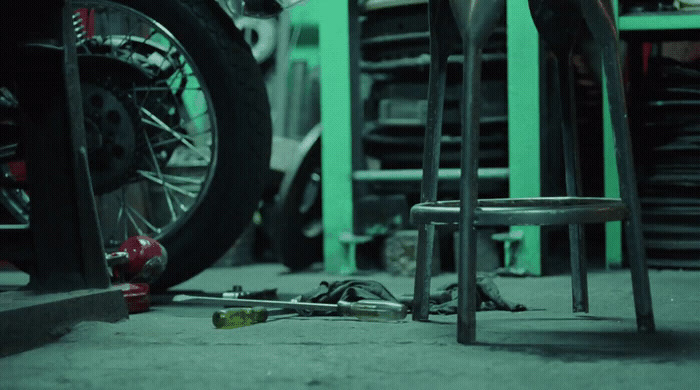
<point>680,20</point>
<point>523,133</point>
<point>524,124</point>
<point>417,174</point>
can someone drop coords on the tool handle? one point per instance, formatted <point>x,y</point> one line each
<point>373,310</point>
<point>236,318</point>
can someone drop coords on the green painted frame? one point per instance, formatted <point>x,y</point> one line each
<point>336,118</point>
<point>524,123</point>
<point>336,138</point>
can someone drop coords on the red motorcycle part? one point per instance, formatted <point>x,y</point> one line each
<point>147,259</point>
<point>137,296</point>
<point>18,169</point>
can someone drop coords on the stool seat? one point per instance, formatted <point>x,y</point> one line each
<point>565,210</point>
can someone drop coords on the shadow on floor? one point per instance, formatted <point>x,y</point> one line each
<point>591,346</point>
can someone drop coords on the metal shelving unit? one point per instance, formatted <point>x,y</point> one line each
<point>662,20</point>
<point>340,121</point>
<point>343,172</point>
<point>391,60</point>
<point>671,236</point>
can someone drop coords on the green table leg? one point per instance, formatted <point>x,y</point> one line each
<point>336,139</point>
<point>524,122</point>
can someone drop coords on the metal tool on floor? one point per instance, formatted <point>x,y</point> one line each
<point>365,310</point>
<point>238,292</point>
<point>239,317</point>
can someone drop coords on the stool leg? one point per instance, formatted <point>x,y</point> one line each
<point>599,16</point>
<point>443,36</point>
<point>565,111</point>
<point>466,264</point>
<point>559,22</point>
<point>476,21</point>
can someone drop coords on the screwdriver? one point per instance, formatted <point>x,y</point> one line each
<point>366,310</point>
<point>236,318</point>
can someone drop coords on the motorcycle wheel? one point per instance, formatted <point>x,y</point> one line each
<point>294,222</point>
<point>178,126</point>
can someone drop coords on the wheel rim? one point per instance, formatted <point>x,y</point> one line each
<point>174,142</point>
<point>175,120</point>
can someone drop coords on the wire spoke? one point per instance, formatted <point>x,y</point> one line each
<point>176,178</point>
<point>132,211</point>
<point>173,128</point>
<point>182,75</point>
<point>131,55</point>
<point>171,141</point>
<point>159,174</point>
<point>156,122</point>
<point>127,38</point>
<point>166,142</point>
<point>180,205</point>
<point>170,79</point>
<point>188,126</point>
<point>121,213</point>
<point>164,183</point>
<point>139,231</point>
<point>164,89</point>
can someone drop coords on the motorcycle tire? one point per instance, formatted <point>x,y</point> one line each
<point>202,49</point>
<point>243,127</point>
<point>294,221</point>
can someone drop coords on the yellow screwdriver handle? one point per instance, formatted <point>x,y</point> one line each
<point>238,317</point>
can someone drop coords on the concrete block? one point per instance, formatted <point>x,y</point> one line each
<point>29,319</point>
<point>400,253</point>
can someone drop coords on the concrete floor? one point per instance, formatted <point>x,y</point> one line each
<point>546,347</point>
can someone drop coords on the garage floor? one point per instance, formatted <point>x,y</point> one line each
<point>177,347</point>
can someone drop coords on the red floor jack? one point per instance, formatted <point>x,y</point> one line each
<point>140,260</point>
